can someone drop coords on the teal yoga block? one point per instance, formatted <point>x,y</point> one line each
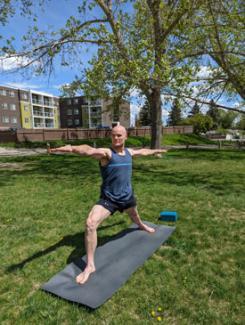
<point>168,216</point>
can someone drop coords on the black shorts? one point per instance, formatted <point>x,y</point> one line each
<point>114,206</point>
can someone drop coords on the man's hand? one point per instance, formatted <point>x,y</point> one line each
<point>158,152</point>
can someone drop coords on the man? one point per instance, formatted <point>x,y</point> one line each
<point>116,188</point>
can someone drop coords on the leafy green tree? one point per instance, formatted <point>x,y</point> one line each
<point>195,110</point>
<point>201,123</point>
<point>241,123</point>
<point>227,119</point>
<point>152,45</point>
<point>145,115</point>
<point>214,113</point>
<point>175,113</point>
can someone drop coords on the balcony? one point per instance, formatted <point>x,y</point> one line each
<point>37,101</point>
<point>49,114</point>
<point>48,103</point>
<point>39,125</point>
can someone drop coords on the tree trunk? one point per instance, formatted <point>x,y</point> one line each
<point>156,114</point>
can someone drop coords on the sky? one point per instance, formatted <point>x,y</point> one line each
<point>55,14</point>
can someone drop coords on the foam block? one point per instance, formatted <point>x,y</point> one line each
<point>169,216</point>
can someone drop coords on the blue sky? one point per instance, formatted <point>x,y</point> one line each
<point>55,14</point>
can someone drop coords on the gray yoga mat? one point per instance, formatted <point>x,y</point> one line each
<point>115,261</point>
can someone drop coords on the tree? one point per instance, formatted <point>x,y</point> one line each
<point>195,110</point>
<point>201,123</point>
<point>152,45</point>
<point>175,113</point>
<point>214,113</point>
<point>241,123</point>
<point>227,119</point>
<point>145,115</point>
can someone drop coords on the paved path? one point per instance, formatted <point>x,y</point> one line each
<point>21,151</point>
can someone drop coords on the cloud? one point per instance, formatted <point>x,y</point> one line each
<point>165,113</point>
<point>135,92</point>
<point>12,63</point>
<point>134,111</point>
<point>204,72</point>
<point>23,85</point>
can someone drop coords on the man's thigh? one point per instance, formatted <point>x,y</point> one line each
<point>98,213</point>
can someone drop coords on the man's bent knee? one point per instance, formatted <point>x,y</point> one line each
<point>96,216</point>
<point>91,223</point>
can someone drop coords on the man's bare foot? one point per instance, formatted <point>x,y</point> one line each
<point>147,228</point>
<point>83,276</point>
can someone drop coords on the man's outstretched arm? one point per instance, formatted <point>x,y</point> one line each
<point>146,152</point>
<point>83,150</point>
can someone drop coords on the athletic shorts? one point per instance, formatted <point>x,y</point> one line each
<point>113,206</point>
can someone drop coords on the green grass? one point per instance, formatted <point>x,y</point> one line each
<point>168,139</point>
<point>197,277</point>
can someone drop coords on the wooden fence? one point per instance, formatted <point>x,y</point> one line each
<point>40,135</point>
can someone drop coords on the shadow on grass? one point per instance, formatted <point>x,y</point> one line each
<point>60,167</point>
<point>76,241</point>
<point>217,182</point>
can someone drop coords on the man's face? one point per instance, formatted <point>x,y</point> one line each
<point>118,136</point>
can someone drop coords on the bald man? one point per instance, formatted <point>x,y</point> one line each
<point>116,189</point>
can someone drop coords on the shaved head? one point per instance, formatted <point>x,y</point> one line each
<point>119,128</point>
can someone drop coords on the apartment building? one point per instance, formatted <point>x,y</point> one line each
<point>39,110</point>
<point>28,109</point>
<point>77,112</point>
<point>9,108</point>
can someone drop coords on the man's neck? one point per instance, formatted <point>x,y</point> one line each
<point>119,150</point>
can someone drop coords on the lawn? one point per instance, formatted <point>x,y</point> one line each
<point>197,277</point>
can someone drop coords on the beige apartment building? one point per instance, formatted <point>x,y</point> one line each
<point>27,109</point>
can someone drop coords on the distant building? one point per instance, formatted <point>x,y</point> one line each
<point>28,109</point>
<point>9,108</point>
<point>80,112</point>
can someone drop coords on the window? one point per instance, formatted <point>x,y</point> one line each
<point>3,92</point>
<point>26,120</point>
<point>69,111</point>
<point>13,120</point>
<point>11,93</point>
<point>12,107</point>
<point>26,108</point>
<point>4,106</point>
<point>77,121</point>
<point>75,100</point>
<point>68,101</point>
<point>5,119</point>
<point>69,122</point>
<point>24,96</point>
<point>76,111</point>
